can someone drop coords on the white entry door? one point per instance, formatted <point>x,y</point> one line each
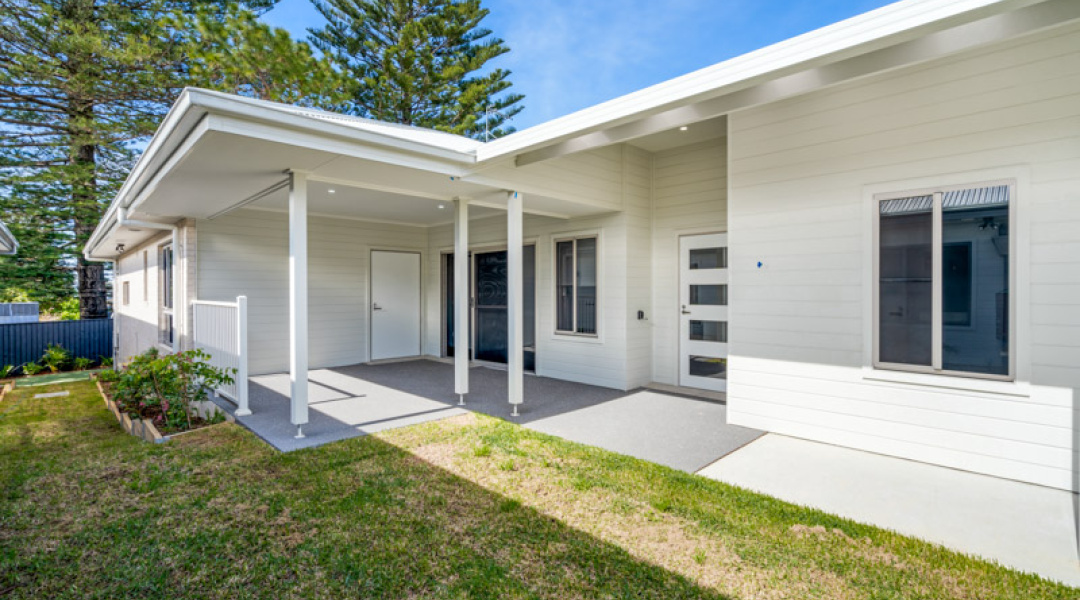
<point>703,318</point>
<point>395,304</point>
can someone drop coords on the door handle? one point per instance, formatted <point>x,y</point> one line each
<point>376,306</point>
<point>684,311</point>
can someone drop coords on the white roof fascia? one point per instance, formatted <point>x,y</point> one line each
<point>409,139</point>
<point>10,244</point>
<point>887,25</point>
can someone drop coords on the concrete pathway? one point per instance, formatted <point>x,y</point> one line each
<point>1027,527</point>
<point>682,433</point>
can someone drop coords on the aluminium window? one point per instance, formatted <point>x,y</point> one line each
<point>146,276</point>
<point>944,281</point>
<point>576,285</point>
<point>165,303</point>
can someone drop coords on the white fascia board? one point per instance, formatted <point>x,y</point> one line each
<point>8,243</point>
<point>876,29</point>
<point>273,113</point>
<point>335,144</point>
<point>180,119</point>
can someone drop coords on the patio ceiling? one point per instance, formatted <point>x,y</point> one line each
<point>228,161</point>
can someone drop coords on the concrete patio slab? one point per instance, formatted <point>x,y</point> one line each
<point>340,407</point>
<point>1027,527</point>
<point>682,433</point>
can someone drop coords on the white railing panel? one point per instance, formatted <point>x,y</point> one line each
<point>220,330</point>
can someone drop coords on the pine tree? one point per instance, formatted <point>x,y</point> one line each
<point>420,62</point>
<point>81,83</point>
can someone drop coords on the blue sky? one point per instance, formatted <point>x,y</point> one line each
<point>570,54</point>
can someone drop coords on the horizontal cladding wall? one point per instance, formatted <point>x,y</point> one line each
<point>246,253</point>
<point>689,195</point>
<point>599,361</point>
<point>800,172</point>
<point>137,321</point>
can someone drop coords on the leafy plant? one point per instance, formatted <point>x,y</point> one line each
<point>56,358</point>
<point>162,388</point>
<point>32,368</point>
<point>106,362</point>
<point>6,371</point>
<point>82,363</point>
<point>108,376</point>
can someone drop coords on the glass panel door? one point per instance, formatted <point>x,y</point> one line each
<point>703,314</point>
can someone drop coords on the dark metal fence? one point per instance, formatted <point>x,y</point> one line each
<point>25,342</point>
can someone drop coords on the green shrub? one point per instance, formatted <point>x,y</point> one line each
<point>6,371</point>
<point>162,388</point>
<point>56,358</point>
<point>108,376</point>
<point>82,363</point>
<point>32,368</point>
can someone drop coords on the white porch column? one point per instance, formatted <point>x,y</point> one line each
<point>461,298</point>
<point>515,309</point>
<point>298,300</point>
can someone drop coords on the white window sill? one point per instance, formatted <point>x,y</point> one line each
<point>949,382</point>
<point>585,338</point>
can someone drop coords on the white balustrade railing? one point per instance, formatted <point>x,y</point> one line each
<point>220,329</point>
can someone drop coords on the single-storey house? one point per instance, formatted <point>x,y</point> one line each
<point>8,244</point>
<point>867,235</point>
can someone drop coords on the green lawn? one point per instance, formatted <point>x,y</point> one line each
<point>470,507</point>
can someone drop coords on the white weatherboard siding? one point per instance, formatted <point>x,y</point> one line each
<point>601,360</point>
<point>803,173</point>
<point>689,196</point>
<point>637,198</point>
<point>246,253</point>
<point>137,321</point>
<point>596,360</point>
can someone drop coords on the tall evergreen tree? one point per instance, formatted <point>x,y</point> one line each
<point>420,62</point>
<point>81,83</point>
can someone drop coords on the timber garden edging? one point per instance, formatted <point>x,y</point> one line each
<point>146,430</point>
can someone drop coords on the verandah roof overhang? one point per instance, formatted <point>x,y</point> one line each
<point>216,152</point>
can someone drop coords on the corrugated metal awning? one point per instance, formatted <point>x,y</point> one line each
<point>907,206</point>
<point>963,199</point>
<point>984,197</point>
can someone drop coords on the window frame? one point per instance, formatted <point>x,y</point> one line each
<point>937,283</point>
<point>167,295</point>
<point>555,280</point>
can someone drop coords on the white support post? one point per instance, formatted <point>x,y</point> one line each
<point>243,409</point>
<point>515,309</point>
<point>461,298</point>
<point>298,301</point>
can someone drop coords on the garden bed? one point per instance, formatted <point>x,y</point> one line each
<point>206,414</point>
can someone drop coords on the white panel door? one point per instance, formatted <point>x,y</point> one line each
<point>395,304</point>
<point>703,318</point>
